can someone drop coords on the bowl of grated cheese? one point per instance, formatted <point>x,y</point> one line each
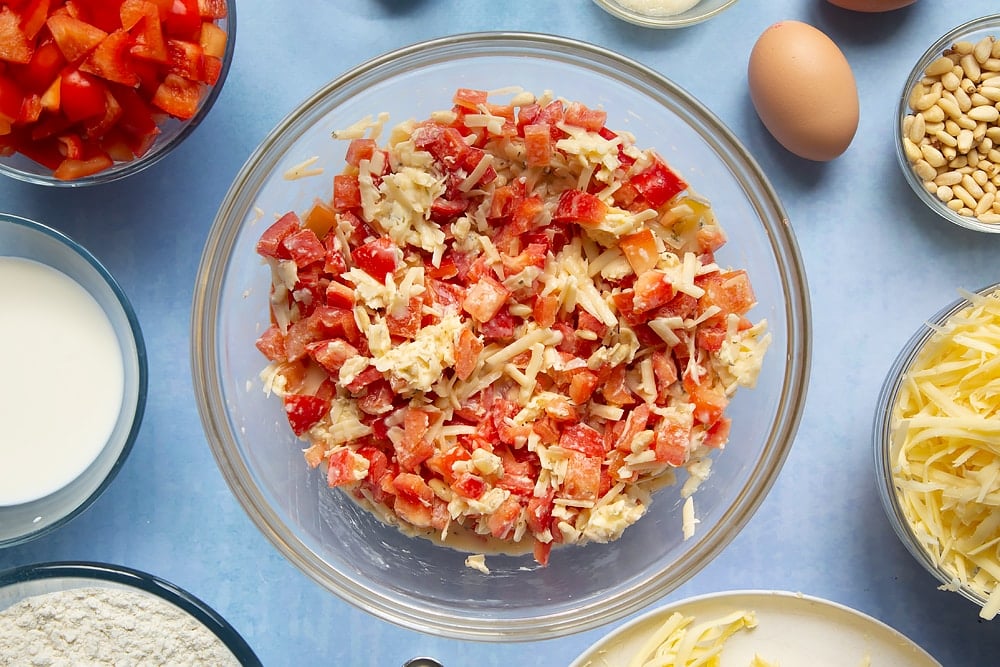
<point>936,459</point>
<point>475,342</point>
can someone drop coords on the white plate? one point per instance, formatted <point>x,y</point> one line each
<point>792,629</point>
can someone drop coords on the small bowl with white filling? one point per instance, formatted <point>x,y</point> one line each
<point>75,385</point>
<point>99,613</point>
<point>664,13</point>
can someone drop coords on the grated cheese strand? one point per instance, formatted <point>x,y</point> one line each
<point>679,643</point>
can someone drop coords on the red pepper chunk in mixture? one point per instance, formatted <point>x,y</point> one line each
<point>518,335</point>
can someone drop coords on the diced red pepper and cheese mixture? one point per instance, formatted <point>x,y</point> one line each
<point>506,320</point>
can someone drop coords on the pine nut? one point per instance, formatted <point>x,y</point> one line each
<point>963,48</point>
<point>972,187</point>
<point>933,156</point>
<point>989,218</point>
<point>949,107</point>
<point>990,93</point>
<point>963,194</point>
<point>971,67</point>
<point>983,49</point>
<point>912,151</point>
<point>948,178</point>
<point>940,66</point>
<point>979,99</point>
<point>995,51</point>
<point>944,193</point>
<point>985,204</point>
<point>991,65</point>
<point>963,100</point>
<point>924,170</point>
<point>935,114</point>
<point>972,158</point>
<point>964,141</point>
<point>928,100</point>
<point>918,128</point>
<point>993,156</point>
<point>986,114</point>
<point>950,81</point>
<point>994,134</point>
<point>966,123</point>
<point>980,177</point>
<point>945,138</point>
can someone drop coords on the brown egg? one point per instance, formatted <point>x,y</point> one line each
<point>803,90</point>
<point>871,5</point>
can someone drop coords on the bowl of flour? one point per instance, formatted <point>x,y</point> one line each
<point>664,13</point>
<point>74,613</point>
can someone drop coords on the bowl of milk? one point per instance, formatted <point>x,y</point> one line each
<point>75,379</point>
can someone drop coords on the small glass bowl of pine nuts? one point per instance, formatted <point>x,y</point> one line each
<point>948,136</point>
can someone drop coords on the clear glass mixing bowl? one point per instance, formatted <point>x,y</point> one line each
<point>411,581</point>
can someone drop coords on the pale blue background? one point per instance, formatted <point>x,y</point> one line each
<point>878,265</point>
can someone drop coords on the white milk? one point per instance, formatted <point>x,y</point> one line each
<point>61,380</point>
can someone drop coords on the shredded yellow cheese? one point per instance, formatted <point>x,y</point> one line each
<point>946,448</point>
<point>679,642</point>
<point>304,169</point>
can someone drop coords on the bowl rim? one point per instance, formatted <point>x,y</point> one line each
<point>142,367</point>
<point>687,18</point>
<point>547,625</point>
<point>991,21</point>
<point>120,170</point>
<point>882,439</point>
<point>143,581</point>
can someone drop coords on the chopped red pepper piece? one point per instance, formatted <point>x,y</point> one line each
<point>658,183</point>
<point>15,46</point>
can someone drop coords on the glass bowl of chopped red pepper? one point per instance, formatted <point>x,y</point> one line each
<point>468,331</point>
<point>93,91</point>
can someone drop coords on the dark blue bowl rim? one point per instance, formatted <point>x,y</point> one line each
<point>149,583</point>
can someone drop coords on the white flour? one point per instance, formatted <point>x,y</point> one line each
<point>102,626</point>
<point>659,7</point>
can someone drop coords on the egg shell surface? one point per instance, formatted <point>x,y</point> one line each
<point>871,6</point>
<point>803,90</point>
